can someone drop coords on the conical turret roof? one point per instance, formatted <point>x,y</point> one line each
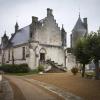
<point>79,24</point>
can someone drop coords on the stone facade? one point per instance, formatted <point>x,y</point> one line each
<point>38,42</point>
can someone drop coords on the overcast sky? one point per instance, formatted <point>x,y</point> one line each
<point>66,12</point>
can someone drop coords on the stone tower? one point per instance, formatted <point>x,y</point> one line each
<point>5,40</point>
<point>80,29</point>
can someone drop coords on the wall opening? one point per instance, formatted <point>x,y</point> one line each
<point>42,56</point>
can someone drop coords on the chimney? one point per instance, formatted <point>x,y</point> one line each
<point>49,12</point>
<point>34,19</point>
<point>85,23</point>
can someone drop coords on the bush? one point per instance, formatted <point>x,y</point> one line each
<point>34,71</point>
<point>40,68</point>
<point>74,70</point>
<point>16,68</point>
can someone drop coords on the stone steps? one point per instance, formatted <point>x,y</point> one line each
<point>56,67</point>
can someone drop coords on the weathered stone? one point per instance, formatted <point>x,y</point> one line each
<point>7,93</point>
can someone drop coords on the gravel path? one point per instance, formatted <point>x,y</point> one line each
<point>32,91</point>
<point>88,89</point>
<point>18,95</point>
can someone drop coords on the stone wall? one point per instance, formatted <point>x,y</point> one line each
<point>70,61</point>
<point>49,33</point>
<point>55,54</point>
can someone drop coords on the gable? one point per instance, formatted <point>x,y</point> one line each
<point>50,32</point>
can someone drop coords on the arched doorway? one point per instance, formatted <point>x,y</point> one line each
<point>42,54</point>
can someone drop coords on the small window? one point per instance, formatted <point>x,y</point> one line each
<point>9,55</point>
<point>23,53</point>
<point>30,34</point>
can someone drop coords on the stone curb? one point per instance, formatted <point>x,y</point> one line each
<point>7,92</point>
<point>65,95</point>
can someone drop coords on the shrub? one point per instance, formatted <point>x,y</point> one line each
<point>40,68</point>
<point>74,70</point>
<point>34,71</point>
<point>16,68</point>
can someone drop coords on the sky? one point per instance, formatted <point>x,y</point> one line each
<point>65,12</point>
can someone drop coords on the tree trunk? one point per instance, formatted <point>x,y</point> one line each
<point>97,69</point>
<point>83,70</point>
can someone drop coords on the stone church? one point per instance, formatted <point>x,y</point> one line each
<point>41,41</point>
<point>38,42</point>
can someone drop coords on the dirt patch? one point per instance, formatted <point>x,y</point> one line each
<point>86,88</point>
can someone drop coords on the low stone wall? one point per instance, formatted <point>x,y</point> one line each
<point>6,92</point>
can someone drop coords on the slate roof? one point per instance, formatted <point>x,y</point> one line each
<point>79,24</point>
<point>21,36</point>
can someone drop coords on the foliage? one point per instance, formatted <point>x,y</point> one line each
<point>93,41</point>
<point>16,68</point>
<point>94,47</point>
<point>81,53</point>
<point>35,71</point>
<point>88,49</point>
<point>74,70</point>
<point>40,68</point>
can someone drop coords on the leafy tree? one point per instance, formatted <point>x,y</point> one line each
<point>93,41</point>
<point>87,49</point>
<point>82,53</point>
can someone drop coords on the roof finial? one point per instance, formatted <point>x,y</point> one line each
<point>5,32</point>
<point>79,12</point>
<point>62,26</point>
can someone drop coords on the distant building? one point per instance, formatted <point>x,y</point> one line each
<point>80,29</point>
<point>38,42</point>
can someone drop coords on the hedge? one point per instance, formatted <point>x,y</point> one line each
<point>16,68</point>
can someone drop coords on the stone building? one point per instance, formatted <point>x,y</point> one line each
<point>38,42</point>
<point>80,29</point>
<point>41,41</point>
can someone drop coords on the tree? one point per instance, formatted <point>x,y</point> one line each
<point>87,49</point>
<point>93,41</point>
<point>82,53</point>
